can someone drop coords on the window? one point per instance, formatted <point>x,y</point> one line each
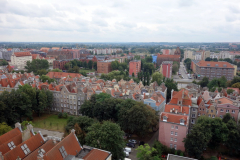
<point>70,97</point>
<point>193,115</point>
<point>227,111</point>
<point>176,127</point>
<point>199,109</point>
<point>181,121</point>
<point>194,109</point>
<point>199,114</point>
<point>175,140</point>
<point>11,145</point>
<point>25,149</point>
<point>221,116</point>
<point>233,111</point>
<point>171,132</point>
<point>164,118</point>
<point>213,116</point>
<point>209,115</point>
<point>172,127</point>
<point>170,145</point>
<point>175,146</point>
<point>193,121</point>
<point>221,110</point>
<point>175,133</point>
<point>203,109</point>
<point>211,111</point>
<point>171,139</point>
<point>63,152</point>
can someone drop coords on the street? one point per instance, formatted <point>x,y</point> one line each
<point>182,71</point>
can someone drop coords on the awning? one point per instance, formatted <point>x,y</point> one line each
<point>199,75</point>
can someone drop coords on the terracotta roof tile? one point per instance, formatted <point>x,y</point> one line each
<point>224,100</point>
<point>71,145</point>
<point>96,154</point>
<point>174,118</point>
<point>169,107</point>
<point>32,143</point>
<point>21,54</point>
<point>9,135</point>
<point>4,148</point>
<point>213,64</point>
<point>63,74</point>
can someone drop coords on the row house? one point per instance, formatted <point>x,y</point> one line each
<point>174,121</point>
<point>25,144</point>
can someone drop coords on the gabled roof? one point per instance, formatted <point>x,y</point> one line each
<point>46,147</point>
<point>174,118</point>
<point>71,145</point>
<point>168,108</point>
<point>4,148</point>
<point>183,96</point>
<point>96,154</point>
<point>22,54</point>
<point>9,135</point>
<point>224,100</point>
<point>63,74</point>
<point>32,143</point>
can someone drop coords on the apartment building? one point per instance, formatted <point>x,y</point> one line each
<point>212,69</point>
<point>166,69</point>
<point>19,59</point>
<point>104,66</point>
<point>134,67</point>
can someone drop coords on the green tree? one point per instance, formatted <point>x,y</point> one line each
<point>95,65</point>
<point>36,64</point>
<point>3,63</point>
<point>4,128</point>
<point>42,102</point>
<point>171,85</point>
<point>188,63</point>
<point>114,65</point>
<point>208,59</point>
<point>45,78</point>
<point>75,69</point>
<point>229,91</point>
<point>204,82</point>
<point>107,136</point>
<point>174,68</point>
<point>227,117</point>
<point>90,64</point>
<point>148,79</point>
<point>84,64</point>
<point>56,70</point>
<point>236,85</point>
<point>145,153</point>
<point>133,74</point>
<point>149,59</point>
<point>42,72</point>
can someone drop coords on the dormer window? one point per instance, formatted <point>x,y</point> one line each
<point>63,152</point>
<point>181,121</point>
<point>11,145</point>
<point>25,149</point>
<point>164,118</point>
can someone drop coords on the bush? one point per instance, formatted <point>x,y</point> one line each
<point>175,153</point>
<point>172,151</point>
<point>179,152</point>
<point>65,115</point>
<point>60,115</point>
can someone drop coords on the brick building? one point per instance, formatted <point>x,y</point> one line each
<point>212,69</point>
<point>60,64</point>
<point>161,58</point>
<point>104,66</point>
<point>166,69</point>
<point>134,67</point>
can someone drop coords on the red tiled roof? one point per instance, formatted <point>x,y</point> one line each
<point>32,143</point>
<point>183,96</point>
<point>21,54</point>
<point>224,100</point>
<point>169,107</point>
<point>96,154</point>
<point>213,64</point>
<point>174,118</point>
<point>235,89</point>
<point>46,147</point>
<point>168,56</point>
<point>9,135</point>
<point>70,144</point>
<point>16,140</point>
<point>63,74</point>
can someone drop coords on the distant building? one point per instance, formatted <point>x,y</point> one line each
<point>212,69</point>
<point>154,59</point>
<point>161,58</point>
<point>104,66</point>
<point>166,69</point>
<point>177,51</point>
<point>134,67</point>
<point>19,59</point>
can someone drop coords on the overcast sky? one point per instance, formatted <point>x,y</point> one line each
<point>120,20</point>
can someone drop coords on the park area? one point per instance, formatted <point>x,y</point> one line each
<point>50,122</point>
<point>87,70</point>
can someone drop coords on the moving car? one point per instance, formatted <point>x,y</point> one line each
<point>126,153</point>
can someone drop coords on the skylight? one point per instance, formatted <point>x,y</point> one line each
<point>63,152</point>
<point>25,149</point>
<point>11,145</point>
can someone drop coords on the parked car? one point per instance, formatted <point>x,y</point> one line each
<point>132,145</point>
<point>132,141</point>
<point>127,149</point>
<point>126,153</point>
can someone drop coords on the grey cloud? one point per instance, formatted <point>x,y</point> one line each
<point>185,3</point>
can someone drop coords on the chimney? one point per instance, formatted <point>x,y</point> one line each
<point>1,156</point>
<point>176,111</point>
<point>73,131</point>
<point>18,158</point>
<point>18,125</point>
<point>40,154</point>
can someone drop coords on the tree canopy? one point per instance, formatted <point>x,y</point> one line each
<point>36,65</point>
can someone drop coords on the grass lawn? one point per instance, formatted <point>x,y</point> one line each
<point>50,122</point>
<point>88,70</point>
